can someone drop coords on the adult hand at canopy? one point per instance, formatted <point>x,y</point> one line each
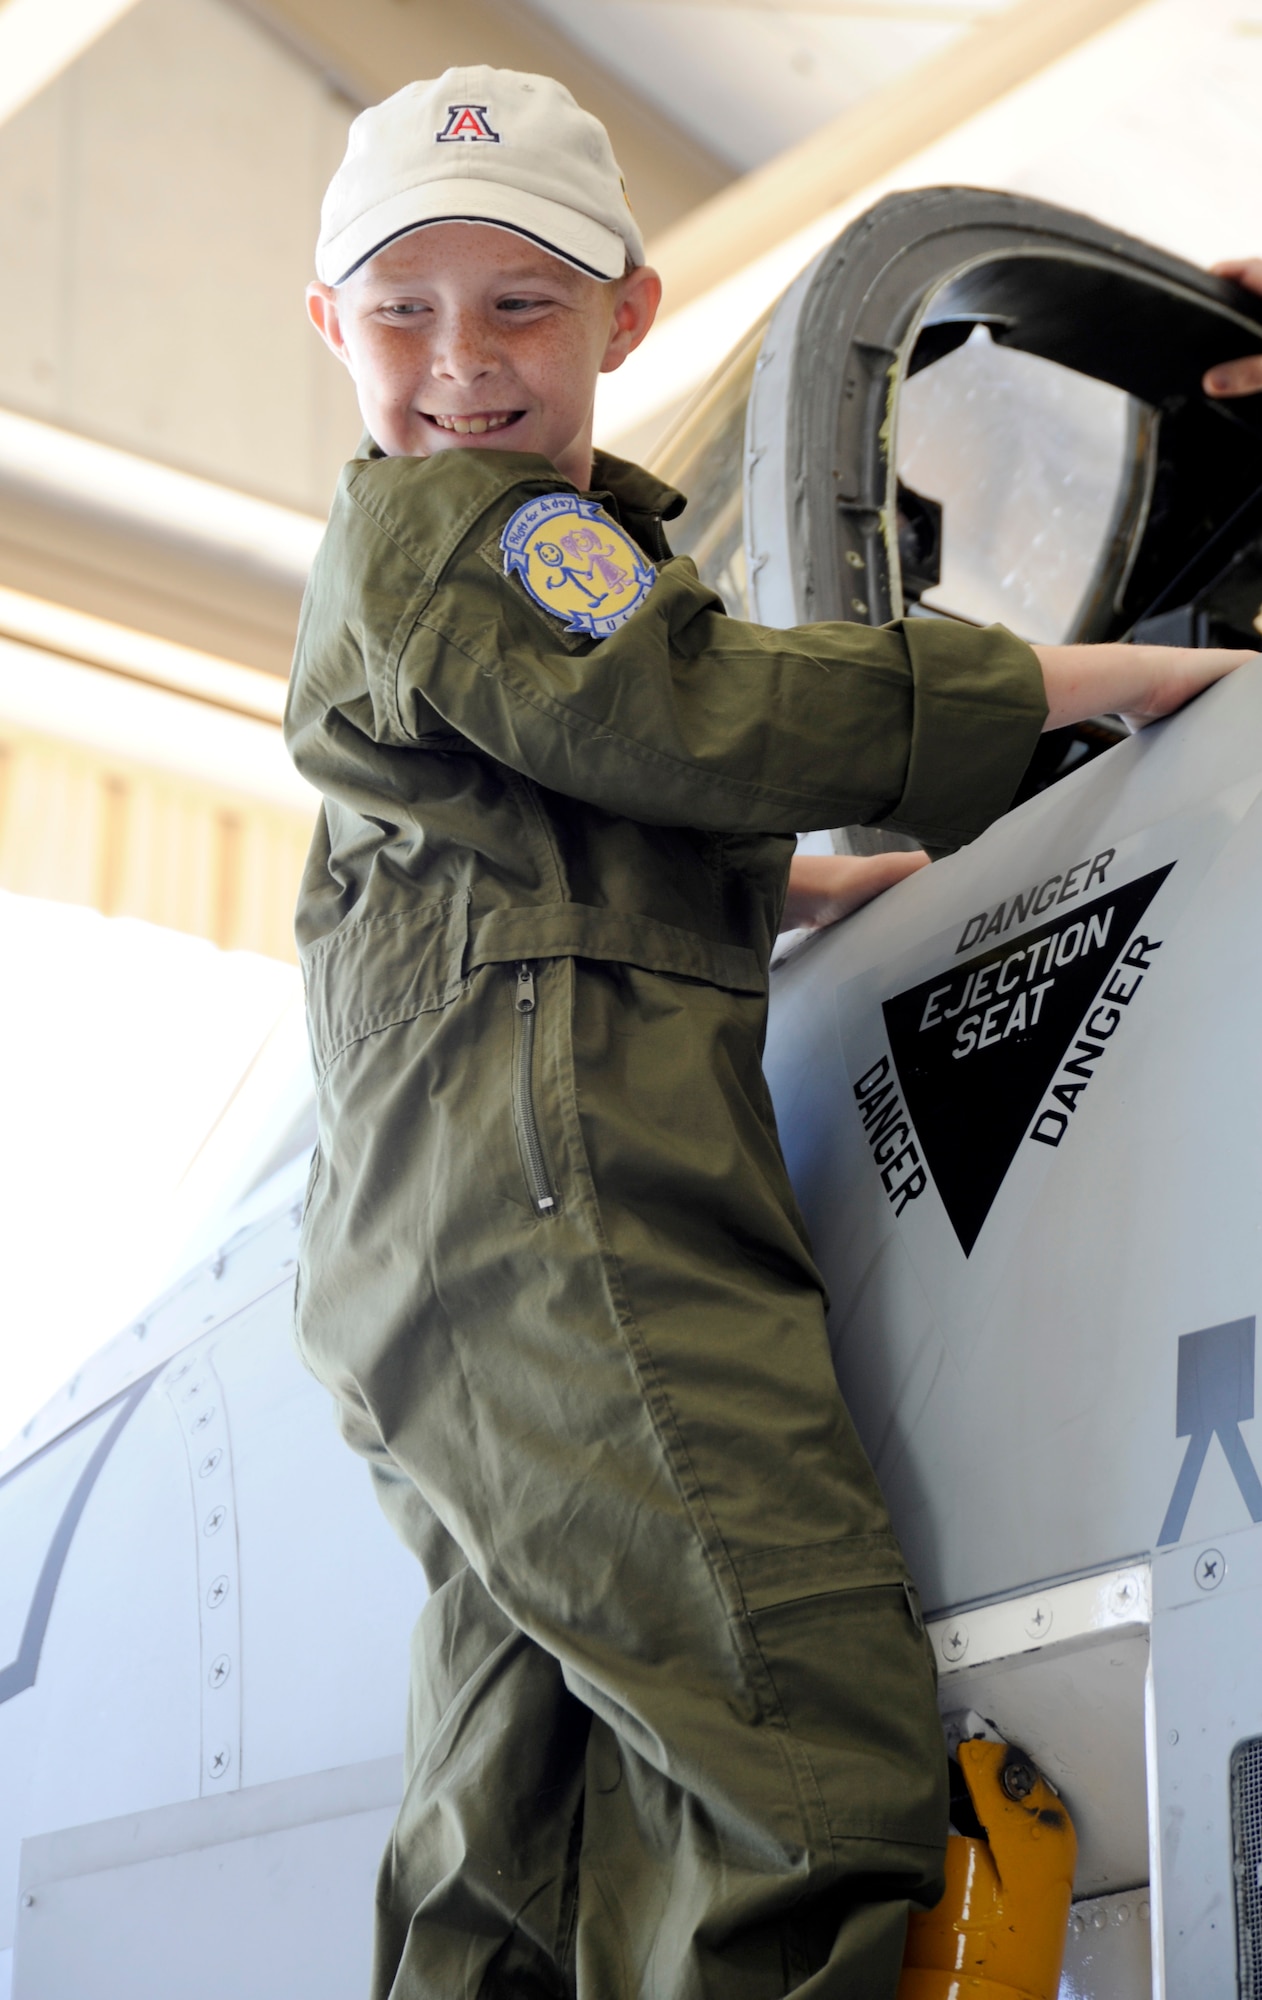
<point>1243,377</point>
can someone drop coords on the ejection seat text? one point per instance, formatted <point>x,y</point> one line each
<point>1035,901</point>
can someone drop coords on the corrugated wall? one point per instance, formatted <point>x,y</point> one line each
<point>80,827</point>
<point>141,801</point>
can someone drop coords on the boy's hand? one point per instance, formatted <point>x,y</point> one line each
<point>1139,683</point>
<point>823,888</point>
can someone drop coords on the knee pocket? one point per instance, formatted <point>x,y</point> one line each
<point>855,1680</point>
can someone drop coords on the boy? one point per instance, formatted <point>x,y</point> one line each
<point>672,1728</point>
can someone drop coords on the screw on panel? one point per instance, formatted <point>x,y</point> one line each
<point>218,1761</point>
<point>954,1642</point>
<point>1039,1619</point>
<point>218,1263</point>
<point>1211,1568</point>
<point>214,1520</point>
<point>28,1901</point>
<point>855,559</point>
<point>858,604</point>
<point>1124,1595</point>
<point>210,1463</point>
<point>217,1593</point>
<point>219,1671</point>
<point>207,1417</point>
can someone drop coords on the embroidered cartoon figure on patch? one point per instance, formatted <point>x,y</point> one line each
<point>467,122</point>
<point>576,563</point>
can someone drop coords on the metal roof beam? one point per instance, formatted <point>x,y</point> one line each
<point>760,210</point>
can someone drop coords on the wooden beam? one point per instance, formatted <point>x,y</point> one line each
<point>160,807</point>
<point>757,212</point>
<point>376,46</point>
<point>41,38</point>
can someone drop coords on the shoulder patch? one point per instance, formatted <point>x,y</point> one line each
<point>576,563</point>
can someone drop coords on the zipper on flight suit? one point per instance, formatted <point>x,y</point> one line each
<point>536,1166</point>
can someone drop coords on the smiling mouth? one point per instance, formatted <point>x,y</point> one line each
<point>476,425</point>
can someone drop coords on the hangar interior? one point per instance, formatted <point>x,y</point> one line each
<point>170,432</point>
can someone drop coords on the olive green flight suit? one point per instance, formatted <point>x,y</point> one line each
<point>672,1731</point>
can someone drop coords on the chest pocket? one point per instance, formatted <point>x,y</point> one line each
<point>374,972</point>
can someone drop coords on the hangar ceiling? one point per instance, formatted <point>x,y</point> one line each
<point>750,78</point>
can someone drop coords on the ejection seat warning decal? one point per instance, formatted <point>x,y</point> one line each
<point>999,1048</point>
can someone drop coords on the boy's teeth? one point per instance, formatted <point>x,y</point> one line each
<point>472,426</point>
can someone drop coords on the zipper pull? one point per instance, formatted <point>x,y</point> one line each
<point>525,988</point>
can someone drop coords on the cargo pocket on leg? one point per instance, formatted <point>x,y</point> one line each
<point>845,1648</point>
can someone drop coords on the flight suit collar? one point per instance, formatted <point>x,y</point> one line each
<point>638,500</point>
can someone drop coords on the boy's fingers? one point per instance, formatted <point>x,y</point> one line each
<point>890,868</point>
<point>879,872</point>
<point>825,888</point>
<point>1234,378</point>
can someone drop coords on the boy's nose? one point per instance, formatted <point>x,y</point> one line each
<point>464,353</point>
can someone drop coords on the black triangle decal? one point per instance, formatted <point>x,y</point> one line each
<point>977,1047</point>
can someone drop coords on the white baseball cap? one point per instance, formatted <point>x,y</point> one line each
<point>480,145</point>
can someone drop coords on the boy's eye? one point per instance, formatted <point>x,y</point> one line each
<point>514,304</point>
<point>404,308</point>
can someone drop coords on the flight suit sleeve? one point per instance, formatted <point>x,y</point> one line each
<point>685,717</point>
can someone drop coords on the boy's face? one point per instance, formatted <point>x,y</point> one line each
<point>461,337</point>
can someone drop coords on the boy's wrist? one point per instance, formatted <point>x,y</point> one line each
<point>1139,683</point>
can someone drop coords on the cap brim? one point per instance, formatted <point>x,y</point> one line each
<point>563,232</point>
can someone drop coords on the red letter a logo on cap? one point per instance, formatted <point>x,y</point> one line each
<point>467,121</point>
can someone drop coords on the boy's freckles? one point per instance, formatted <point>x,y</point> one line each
<point>462,335</point>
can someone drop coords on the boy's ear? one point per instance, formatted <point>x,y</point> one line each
<point>639,296</point>
<point>322,311</point>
